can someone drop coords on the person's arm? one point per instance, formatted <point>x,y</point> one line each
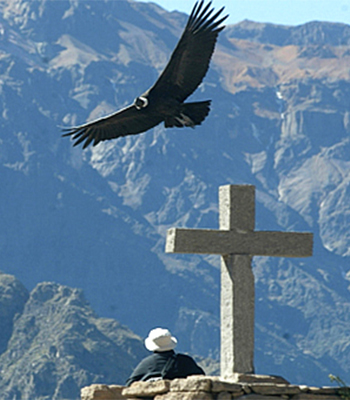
<point>197,370</point>
<point>189,367</point>
<point>139,372</point>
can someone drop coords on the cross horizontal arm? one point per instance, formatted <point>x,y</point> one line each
<point>263,243</point>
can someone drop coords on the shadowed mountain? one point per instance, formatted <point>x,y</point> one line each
<point>59,345</point>
<point>96,219</point>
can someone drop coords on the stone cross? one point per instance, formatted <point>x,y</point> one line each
<point>237,242</point>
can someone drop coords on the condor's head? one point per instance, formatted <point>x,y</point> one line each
<point>141,102</point>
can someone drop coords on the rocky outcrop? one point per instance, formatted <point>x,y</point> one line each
<point>253,387</point>
<point>57,344</point>
<point>13,296</point>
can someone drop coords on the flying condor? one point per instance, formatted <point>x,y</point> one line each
<point>164,101</point>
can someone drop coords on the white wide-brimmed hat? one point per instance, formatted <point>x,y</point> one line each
<point>160,339</point>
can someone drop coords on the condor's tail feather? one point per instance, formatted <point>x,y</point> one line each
<point>190,114</point>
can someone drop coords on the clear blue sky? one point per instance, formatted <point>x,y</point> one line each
<point>285,12</point>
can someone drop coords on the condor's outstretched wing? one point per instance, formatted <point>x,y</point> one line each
<point>190,60</point>
<point>128,121</point>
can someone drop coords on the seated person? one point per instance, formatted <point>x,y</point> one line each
<point>164,363</point>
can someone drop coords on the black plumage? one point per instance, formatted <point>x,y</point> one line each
<point>164,101</point>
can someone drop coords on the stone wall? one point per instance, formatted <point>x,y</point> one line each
<point>247,387</point>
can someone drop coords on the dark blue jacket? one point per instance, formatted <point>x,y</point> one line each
<point>152,366</point>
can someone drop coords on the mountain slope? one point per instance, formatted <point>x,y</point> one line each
<point>59,345</point>
<point>97,219</point>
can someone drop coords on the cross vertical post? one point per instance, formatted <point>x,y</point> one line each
<point>237,302</point>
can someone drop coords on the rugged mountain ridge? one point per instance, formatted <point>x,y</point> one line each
<point>58,344</point>
<point>312,33</point>
<point>97,219</point>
